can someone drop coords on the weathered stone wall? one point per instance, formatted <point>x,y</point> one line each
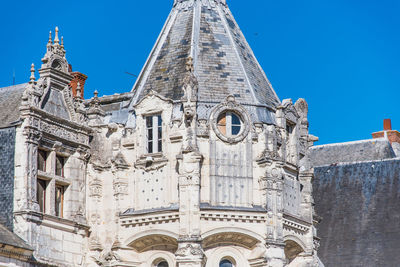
<point>359,204</point>
<point>7,150</point>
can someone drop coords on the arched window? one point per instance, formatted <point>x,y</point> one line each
<point>226,263</point>
<point>163,264</point>
<point>229,124</point>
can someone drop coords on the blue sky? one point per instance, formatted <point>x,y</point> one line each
<point>342,56</point>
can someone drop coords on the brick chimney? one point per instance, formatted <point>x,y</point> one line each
<point>392,135</point>
<point>78,77</point>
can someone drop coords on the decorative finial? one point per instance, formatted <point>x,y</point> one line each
<point>79,90</point>
<point>62,41</point>
<point>189,64</point>
<point>95,93</point>
<point>32,78</point>
<point>50,38</point>
<point>56,40</point>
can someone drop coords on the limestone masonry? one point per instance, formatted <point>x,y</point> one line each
<point>201,164</point>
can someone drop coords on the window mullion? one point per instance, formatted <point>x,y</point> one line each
<point>229,124</point>
<point>155,134</point>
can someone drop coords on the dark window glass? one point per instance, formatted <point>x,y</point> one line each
<point>235,120</point>
<point>163,264</point>
<point>41,194</point>
<point>235,130</point>
<point>149,122</point>
<point>159,121</point>
<point>60,161</point>
<point>42,157</point>
<point>225,263</point>
<point>229,124</point>
<point>59,201</point>
<point>154,133</point>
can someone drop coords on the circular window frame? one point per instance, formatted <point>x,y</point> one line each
<point>238,110</point>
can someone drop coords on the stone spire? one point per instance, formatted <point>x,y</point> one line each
<point>32,78</point>
<point>56,40</point>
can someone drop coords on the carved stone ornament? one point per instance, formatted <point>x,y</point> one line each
<point>64,133</point>
<point>95,189</point>
<point>120,187</point>
<point>231,105</point>
<point>187,4</point>
<point>151,162</point>
<point>203,129</point>
<point>187,250</point>
<point>32,135</point>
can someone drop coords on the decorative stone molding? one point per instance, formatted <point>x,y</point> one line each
<point>120,187</point>
<point>96,189</point>
<point>62,132</point>
<point>231,105</point>
<point>203,128</point>
<point>229,217</point>
<point>189,250</point>
<point>187,4</point>
<point>140,220</point>
<point>151,162</point>
<point>232,238</point>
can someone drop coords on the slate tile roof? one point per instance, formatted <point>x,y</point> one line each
<point>224,63</point>
<point>10,100</point>
<point>9,238</point>
<point>350,152</point>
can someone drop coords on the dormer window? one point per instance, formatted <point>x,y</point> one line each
<point>229,124</point>
<point>154,133</point>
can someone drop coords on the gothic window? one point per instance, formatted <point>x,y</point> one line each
<point>154,133</point>
<point>229,124</point>
<point>59,201</point>
<point>226,263</point>
<point>41,194</point>
<point>60,163</point>
<point>42,159</point>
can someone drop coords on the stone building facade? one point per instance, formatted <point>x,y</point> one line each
<point>201,164</point>
<point>358,184</point>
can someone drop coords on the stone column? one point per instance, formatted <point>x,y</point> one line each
<point>31,146</point>
<point>189,251</point>
<point>274,241</point>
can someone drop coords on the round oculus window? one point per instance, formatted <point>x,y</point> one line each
<point>229,124</point>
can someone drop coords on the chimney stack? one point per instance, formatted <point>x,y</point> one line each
<point>387,125</point>
<point>392,135</point>
<point>78,78</point>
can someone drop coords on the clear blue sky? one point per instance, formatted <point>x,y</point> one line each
<point>342,56</point>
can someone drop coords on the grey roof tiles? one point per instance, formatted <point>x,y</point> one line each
<point>10,100</point>
<point>224,63</point>
<point>9,238</point>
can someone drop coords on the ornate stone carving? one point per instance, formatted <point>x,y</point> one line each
<point>96,189</point>
<point>203,129</point>
<point>151,162</point>
<point>187,250</point>
<point>120,187</point>
<point>63,133</point>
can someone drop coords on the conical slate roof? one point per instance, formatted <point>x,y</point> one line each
<point>224,63</point>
